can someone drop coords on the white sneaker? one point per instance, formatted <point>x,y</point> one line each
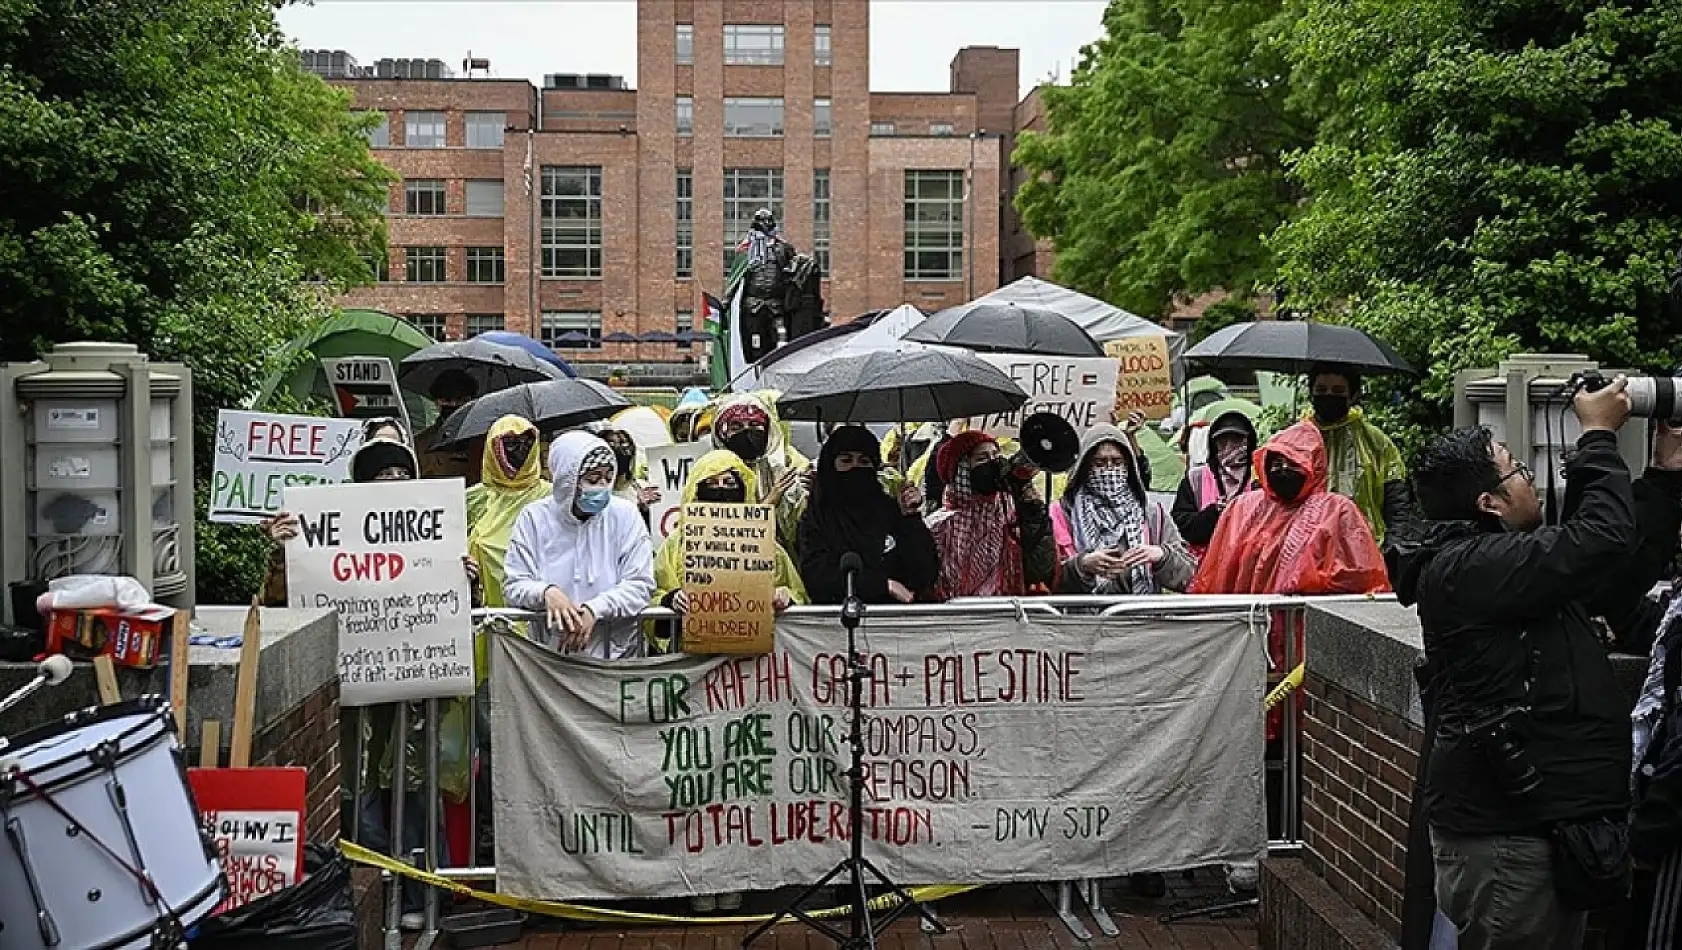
<point>412,921</point>
<point>730,901</point>
<point>1243,876</point>
<point>705,904</point>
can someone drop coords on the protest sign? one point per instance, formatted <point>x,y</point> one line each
<point>1145,382</point>
<point>997,748</point>
<point>388,558</point>
<point>255,817</point>
<point>1079,389</point>
<point>668,469</point>
<point>729,576</point>
<point>258,454</point>
<point>365,387</point>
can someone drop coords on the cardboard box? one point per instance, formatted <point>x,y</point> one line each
<point>130,637</point>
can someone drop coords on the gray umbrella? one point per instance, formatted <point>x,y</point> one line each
<point>492,366</point>
<point>550,405</point>
<point>1292,346</point>
<point>1006,328</point>
<point>902,386</point>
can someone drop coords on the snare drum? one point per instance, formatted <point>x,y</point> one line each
<point>117,771</point>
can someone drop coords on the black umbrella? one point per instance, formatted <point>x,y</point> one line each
<point>693,336</point>
<point>492,366</point>
<point>550,405</point>
<point>902,386</point>
<point>659,336</point>
<point>1292,346</point>
<point>573,338</point>
<point>1006,328</point>
<point>619,337</point>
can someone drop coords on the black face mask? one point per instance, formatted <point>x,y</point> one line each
<point>856,484</point>
<point>748,444</point>
<point>1287,484</point>
<point>1329,408</point>
<point>627,459</point>
<point>517,448</point>
<point>721,496</point>
<point>988,478</point>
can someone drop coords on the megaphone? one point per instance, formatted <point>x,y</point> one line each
<point>1050,442</point>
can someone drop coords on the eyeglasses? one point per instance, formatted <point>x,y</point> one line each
<point>1520,469</point>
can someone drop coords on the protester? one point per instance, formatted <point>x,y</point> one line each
<point>510,479</point>
<point>1655,832</point>
<point>993,533</point>
<point>748,426</point>
<point>1362,463</point>
<point>1210,487</point>
<point>389,428</point>
<point>1527,783</point>
<point>629,484</point>
<point>582,555</point>
<point>851,512</point>
<point>450,391</point>
<point>1111,537</point>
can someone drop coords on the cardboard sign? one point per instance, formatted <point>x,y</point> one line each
<point>365,387</point>
<point>729,576</point>
<point>1080,389</point>
<point>256,819</point>
<point>668,470</point>
<point>259,454</point>
<point>1145,382</point>
<point>388,558</point>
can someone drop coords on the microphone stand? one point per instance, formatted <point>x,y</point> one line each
<point>862,929</point>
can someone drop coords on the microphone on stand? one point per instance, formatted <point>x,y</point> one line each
<point>852,609</point>
<point>51,671</point>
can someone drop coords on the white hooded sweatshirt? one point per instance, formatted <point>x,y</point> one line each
<point>605,562</point>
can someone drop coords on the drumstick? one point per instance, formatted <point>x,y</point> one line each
<point>106,673</point>
<point>245,690</point>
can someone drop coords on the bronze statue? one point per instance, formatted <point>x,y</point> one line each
<point>781,288</point>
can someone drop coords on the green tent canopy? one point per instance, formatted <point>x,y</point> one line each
<point>346,333</point>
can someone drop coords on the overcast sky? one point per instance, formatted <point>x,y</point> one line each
<point>911,41</point>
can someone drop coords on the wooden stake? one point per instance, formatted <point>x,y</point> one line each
<point>210,748</point>
<point>178,667</point>
<point>106,673</point>
<point>245,693</point>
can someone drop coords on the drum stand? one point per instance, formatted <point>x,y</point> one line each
<point>862,929</point>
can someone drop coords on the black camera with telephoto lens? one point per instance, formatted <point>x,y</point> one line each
<point>1499,736</point>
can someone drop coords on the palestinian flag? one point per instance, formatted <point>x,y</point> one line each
<point>722,320</point>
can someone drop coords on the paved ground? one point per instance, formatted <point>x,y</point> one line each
<point>1000,918</point>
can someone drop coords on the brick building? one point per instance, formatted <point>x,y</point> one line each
<point>592,208</point>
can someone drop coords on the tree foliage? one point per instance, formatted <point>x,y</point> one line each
<point>1488,177</point>
<point>1162,169</point>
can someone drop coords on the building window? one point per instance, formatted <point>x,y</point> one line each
<point>424,265</point>
<point>379,136</point>
<point>423,196</point>
<point>431,324</point>
<point>686,115</point>
<point>746,190</point>
<point>686,44</point>
<point>753,45</point>
<point>820,45</point>
<point>822,118</point>
<point>934,225</point>
<point>379,266</point>
<point>820,219</point>
<point>685,324</point>
<point>572,221</point>
<point>478,323</point>
<point>484,129</point>
<point>881,128</point>
<point>484,265</point>
<point>484,198</point>
<point>685,223</point>
<point>587,328</point>
<point>423,129</point>
<point>753,118</point>
<point>940,128</point>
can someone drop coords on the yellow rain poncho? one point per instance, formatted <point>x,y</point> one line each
<point>1360,461</point>
<point>668,561</point>
<point>500,499</point>
<point>779,457</point>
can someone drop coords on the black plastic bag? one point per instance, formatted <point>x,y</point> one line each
<point>317,913</point>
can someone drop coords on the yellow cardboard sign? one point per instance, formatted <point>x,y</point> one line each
<point>729,578</point>
<point>1146,380</point>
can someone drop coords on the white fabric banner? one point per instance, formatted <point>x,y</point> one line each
<point>996,749</point>
<point>1079,389</point>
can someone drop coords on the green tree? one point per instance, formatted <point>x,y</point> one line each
<point>1162,170</point>
<point>1489,176</point>
<point>171,177</point>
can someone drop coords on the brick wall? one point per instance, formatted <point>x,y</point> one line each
<point>308,735</point>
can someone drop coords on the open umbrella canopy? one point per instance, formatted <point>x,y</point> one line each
<point>510,338</point>
<point>693,336</point>
<point>346,333</point>
<point>659,336</point>
<point>922,385</point>
<point>573,338</point>
<point>549,405</point>
<point>620,336</point>
<point>1291,346</point>
<point>1006,328</point>
<point>491,366</point>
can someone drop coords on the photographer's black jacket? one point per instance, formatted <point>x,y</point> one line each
<point>1499,608</point>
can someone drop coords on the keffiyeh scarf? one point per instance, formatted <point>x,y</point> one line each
<point>1109,516</point>
<point>979,553</point>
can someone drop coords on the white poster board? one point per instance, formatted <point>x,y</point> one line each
<point>259,454</point>
<point>388,558</point>
<point>365,387</point>
<point>1080,389</point>
<point>668,469</point>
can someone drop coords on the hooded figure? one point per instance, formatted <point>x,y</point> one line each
<point>585,546</point>
<point>747,425</point>
<point>1293,536</point>
<point>1361,462</point>
<point>509,481</point>
<point>1111,537</point>
<point>1210,487</point>
<point>850,511</point>
<point>991,544</point>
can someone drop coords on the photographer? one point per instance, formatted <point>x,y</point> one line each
<point>1527,780</point>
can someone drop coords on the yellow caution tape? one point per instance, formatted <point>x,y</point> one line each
<point>1284,689</point>
<point>605,915</point>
